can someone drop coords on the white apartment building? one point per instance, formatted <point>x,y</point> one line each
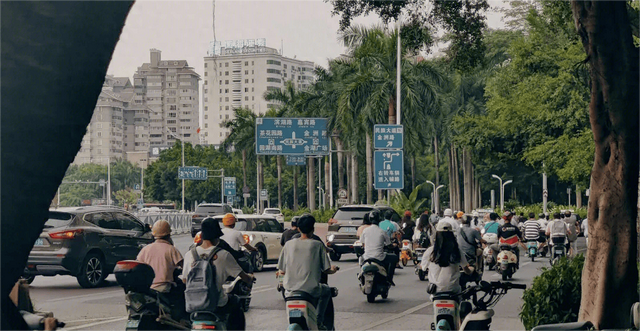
<point>118,129</point>
<point>169,88</point>
<point>237,74</point>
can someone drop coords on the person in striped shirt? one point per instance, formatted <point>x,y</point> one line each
<point>532,229</point>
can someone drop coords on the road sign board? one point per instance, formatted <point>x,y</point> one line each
<point>246,195</point>
<point>545,193</point>
<point>136,187</point>
<point>194,173</point>
<point>292,136</point>
<point>389,169</point>
<point>264,194</point>
<point>296,160</point>
<point>342,201</point>
<point>342,193</point>
<point>229,186</point>
<point>388,136</point>
<point>102,182</point>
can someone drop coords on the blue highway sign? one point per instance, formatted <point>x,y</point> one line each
<point>387,136</point>
<point>195,173</point>
<point>292,136</point>
<point>229,186</point>
<point>389,170</point>
<point>296,160</point>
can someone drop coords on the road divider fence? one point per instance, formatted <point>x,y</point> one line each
<point>180,222</point>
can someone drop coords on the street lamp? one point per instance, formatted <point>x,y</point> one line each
<point>182,147</point>
<point>435,195</point>
<point>502,189</point>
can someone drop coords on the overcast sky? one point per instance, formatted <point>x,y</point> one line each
<point>182,30</point>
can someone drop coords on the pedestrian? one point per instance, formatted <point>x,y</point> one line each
<point>585,230</point>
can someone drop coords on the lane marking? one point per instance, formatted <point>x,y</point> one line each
<point>88,320</point>
<point>105,294</point>
<point>400,315</point>
<point>85,326</point>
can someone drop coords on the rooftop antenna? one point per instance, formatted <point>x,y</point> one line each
<point>282,47</point>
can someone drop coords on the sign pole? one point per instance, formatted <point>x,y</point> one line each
<point>330,175</point>
<point>258,201</point>
<point>398,121</point>
<point>544,191</point>
<point>222,187</point>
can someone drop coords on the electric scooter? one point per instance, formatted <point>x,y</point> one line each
<point>453,311</point>
<point>302,314</point>
<point>532,248</point>
<point>557,250</point>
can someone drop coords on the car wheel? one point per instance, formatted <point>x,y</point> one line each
<point>335,256</point>
<point>258,263</point>
<point>93,271</point>
<point>28,278</point>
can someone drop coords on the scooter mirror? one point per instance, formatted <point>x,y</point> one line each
<point>485,286</point>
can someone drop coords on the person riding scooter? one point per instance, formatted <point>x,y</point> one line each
<point>509,234</point>
<point>469,242</point>
<point>375,240</point>
<point>302,261</point>
<point>532,231</point>
<point>444,260</point>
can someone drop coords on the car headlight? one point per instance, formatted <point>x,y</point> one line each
<point>331,237</point>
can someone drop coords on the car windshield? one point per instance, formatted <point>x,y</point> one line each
<point>209,210</point>
<point>348,229</point>
<point>241,225</point>
<point>349,214</point>
<point>272,211</point>
<point>58,219</point>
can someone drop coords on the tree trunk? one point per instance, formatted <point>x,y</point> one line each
<point>437,165</point>
<point>340,147</point>
<point>327,184</point>
<point>452,180</point>
<point>413,172</point>
<point>578,197</point>
<point>392,111</point>
<point>260,183</point>
<point>610,274</point>
<point>279,165</point>
<point>34,113</point>
<point>348,168</point>
<point>467,180</point>
<point>355,179</point>
<point>369,156</point>
<point>295,188</point>
<point>311,179</point>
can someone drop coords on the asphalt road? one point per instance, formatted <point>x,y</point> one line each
<point>407,308</point>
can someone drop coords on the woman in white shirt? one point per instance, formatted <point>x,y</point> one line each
<point>444,260</point>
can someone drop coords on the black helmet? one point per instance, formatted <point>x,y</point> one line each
<point>375,216</point>
<point>541,215</point>
<point>211,229</point>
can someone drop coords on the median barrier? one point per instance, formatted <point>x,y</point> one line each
<point>180,222</point>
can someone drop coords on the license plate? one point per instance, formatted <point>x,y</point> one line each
<point>560,252</point>
<point>39,242</point>
<point>133,323</point>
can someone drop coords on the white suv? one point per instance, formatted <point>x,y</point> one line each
<point>263,233</point>
<point>275,212</point>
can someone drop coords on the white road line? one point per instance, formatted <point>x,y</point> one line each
<point>92,295</point>
<point>395,317</point>
<point>88,320</point>
<point>85,326</point>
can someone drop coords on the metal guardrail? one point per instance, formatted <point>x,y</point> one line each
<point>180,222</point>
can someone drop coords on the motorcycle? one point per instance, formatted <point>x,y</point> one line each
<point>477,268</point>
<point>422,272</point>
<point>240,289</point>
<point>147,309</point>
<point>532,248</point>
<point>454,311</point>
<point>490,238</point>
<point>557,250</point>
<point>406,253</point>
<point>302,314</point>
<point>373,280</point>
<point>508,262</point>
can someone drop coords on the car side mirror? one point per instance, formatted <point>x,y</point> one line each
<point>147,228</point>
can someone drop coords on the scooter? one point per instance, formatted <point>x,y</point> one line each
<point>508,262</point>
<point>406,253</point>
<point>241,289</point>
<point>557,249</point>
<point>477,268</point>
<point>490,238</point>
<point>147,309</point>
<point>373,280</point>
<point>302,314</point>
<point>454,312</point>
<point>422,272</point>
<point>280,286</point>
<point>532,248</point>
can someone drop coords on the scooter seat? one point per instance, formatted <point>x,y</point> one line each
<point>564,326</point>
<point>445,296</point>
<point>303,296</point>
<point>370,268</point>
<point>204,316</point>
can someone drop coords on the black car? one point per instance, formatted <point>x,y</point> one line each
<point>205,210</point>
<point>343,227</point>
<point>86,242</point>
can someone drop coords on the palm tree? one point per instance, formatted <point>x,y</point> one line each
<point>242,137</point>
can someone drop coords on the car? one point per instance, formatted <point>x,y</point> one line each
<point>343,227</point>
<point>263,233</point>
<point>237,211</point>
<point>86,242</point>
<point>205,210</point>
<point>275,212</point>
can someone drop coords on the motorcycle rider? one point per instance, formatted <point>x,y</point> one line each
<point>232,236</point>
<point>226,266</point>
<point>558,231</point>
<point>287,234</point>
<point>469,242</point>
<point>508,234</point>
<point>407,226</point>
<point>476,222</point>
<point>444,260</point>
<point>574,227</point>
<point>493,225</point>
<point>532,230</point>
<point>424,233</point>
<point>394,231</point>
<point>375,240</point>
<point>448,218</point>
<point>366,222</point>
<point>542,220</point>
<point>302,261</point>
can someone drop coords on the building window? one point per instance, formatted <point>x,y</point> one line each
<point>206,108</point>
<point>246,89</point>
<point>206,117</point>
<point>99,134</point>
<point>226,82</point>
<point>285,66</point>
<point>252,89</point>
<point>252,72</point>
<point>226,99</point>
<point>246,63</point>
<point>253,98</point>
<point>226,108</point>
<point>226,73</point>
<point>206,126</point>
<point>273,80</point>
<point>246,81</point>
<point>206,73</point>
<point>246,72</point>
<point>246,98</point>
<point>206,82</point>
<point>274,71</point>
<point>273,62</point>
<point>226,90</point>
<point>251,80</point>
<point>205,64</point>
<point>226,117</point>
<point>172,114</point>
<point>206,91</point>
<point>220,99</point>
<point>251,62</point>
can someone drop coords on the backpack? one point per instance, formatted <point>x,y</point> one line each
<point>201,292</point>
<point>558,229</point>
<point>574,231</point>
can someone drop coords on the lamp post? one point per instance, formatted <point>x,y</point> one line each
<point>182,147</point>
<point>435,195</point>
<point>502,185</point>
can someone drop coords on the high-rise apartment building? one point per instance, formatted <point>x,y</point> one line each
<point>169,88</point>
<point>237,74</point>
<point>119,129</point>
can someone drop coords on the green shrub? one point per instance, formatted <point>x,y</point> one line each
<point>248,210</point>
<point>321,215</point>
<point>555,294</point>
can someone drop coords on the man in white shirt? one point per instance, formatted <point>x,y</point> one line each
<point>232,236</point>
<point>448,218</point>
<point>374,240</point>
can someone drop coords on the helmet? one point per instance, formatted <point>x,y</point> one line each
<point>459,214</point>
<point>375,217</point>
<point>541,215</point>
<point>407,213</point>
<point>475,214</point>
<point>198,238</point>
<point>161,228</point>
<point>448,212</point>
<point>229,220</point>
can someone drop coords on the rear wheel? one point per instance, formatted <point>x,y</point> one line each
<point>93,272</point>
<point>404,262</point>
<point>504,275</point>
<point>533,258</point>
<point>258,263</point>
<point>421,274</point>
<point>371,298</point>
<point>335,256</point>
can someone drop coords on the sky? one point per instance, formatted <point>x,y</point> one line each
<point>182,30</point>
